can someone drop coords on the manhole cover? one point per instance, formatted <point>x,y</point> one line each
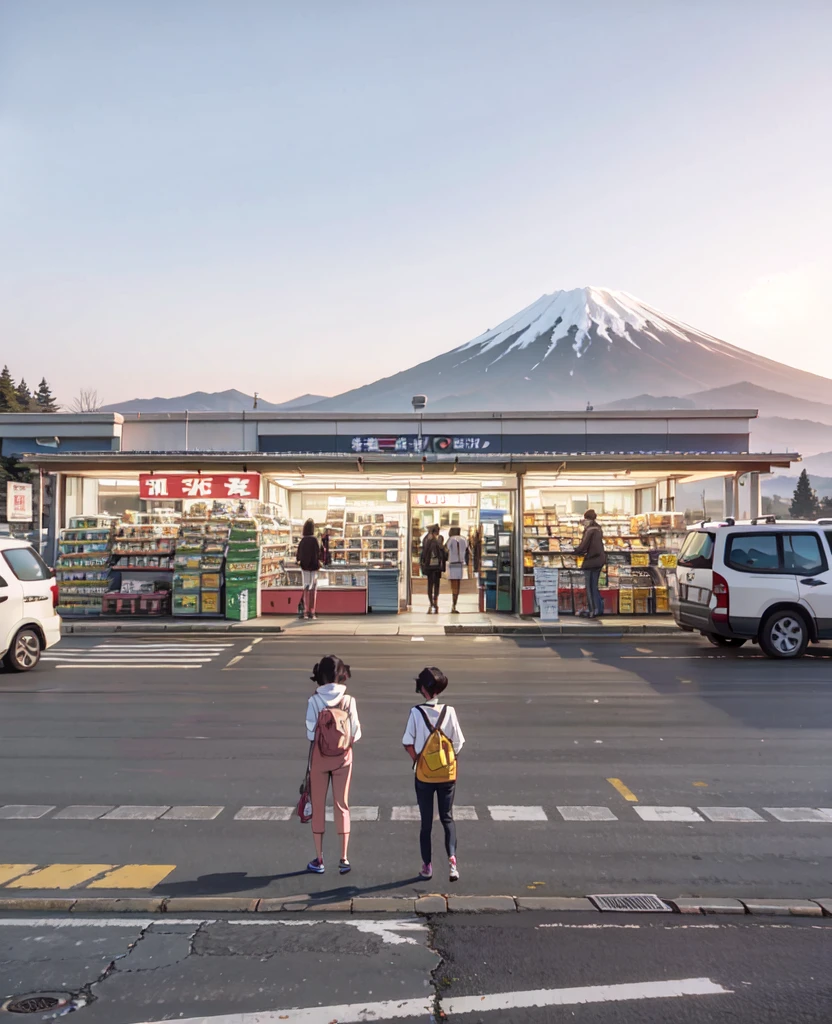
<point>33,1004</point>
<point>639,903</point>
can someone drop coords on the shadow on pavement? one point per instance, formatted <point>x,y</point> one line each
<point>225,883</point>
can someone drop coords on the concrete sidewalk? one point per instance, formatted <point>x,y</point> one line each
<point>408,624</point>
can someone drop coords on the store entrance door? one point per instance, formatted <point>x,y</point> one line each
<point>447,510</point>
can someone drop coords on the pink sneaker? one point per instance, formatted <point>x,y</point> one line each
<point>426,872</point>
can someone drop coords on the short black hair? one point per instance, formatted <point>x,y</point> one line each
<point>330,670</point>
<point>591,515</point>
<point>309,528</point>
<point>433,681</point>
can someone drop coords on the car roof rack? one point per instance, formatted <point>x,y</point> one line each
<point>768,520</point>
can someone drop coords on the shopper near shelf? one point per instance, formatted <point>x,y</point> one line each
<point>457,556</point>
<point>309,560</point>
<point>332,728</point>
<point>433,739</point>
<point>595,558</point>
<point>432,565</point>
<point>326,556</point>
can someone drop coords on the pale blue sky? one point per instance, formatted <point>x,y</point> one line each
<point>290,197</point>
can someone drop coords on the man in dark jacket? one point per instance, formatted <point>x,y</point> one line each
<point>432,564</point>
<point>595,558</point>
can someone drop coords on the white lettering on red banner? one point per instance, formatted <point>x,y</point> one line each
<point>203,485</point>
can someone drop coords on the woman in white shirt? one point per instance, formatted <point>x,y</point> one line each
<point>457,548</point>
<point>330,676</point>
<point>423,719</point>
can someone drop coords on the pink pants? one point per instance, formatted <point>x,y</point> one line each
<point>339,769</point>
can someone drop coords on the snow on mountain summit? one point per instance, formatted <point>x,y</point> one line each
<point>574,312</point>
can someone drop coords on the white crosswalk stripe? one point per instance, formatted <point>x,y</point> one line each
<point>576,813</point>
<point>176,654</point>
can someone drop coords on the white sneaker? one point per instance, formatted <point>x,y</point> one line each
<point>453,870</point>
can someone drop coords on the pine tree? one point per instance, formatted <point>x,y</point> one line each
<point>24,395</point>
<point>805,503</point>
<point>8,392</point>
<point>43,398</point>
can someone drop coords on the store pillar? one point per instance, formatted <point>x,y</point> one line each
<point>755,496</point>
<point>731,497</point>
<point>519,508</point>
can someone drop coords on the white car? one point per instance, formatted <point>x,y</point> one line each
<point>29,623</point>
<point>769,582</point>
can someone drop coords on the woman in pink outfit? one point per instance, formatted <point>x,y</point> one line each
<point>332,727</point>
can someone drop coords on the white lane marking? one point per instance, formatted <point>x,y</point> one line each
<point>586,813</point>
<point>404,1009</point>
<point>799,814</point>
<point>130,664</point>
<point>130,659</point>
<point>234,661</point>
<point>731,814</point>
<point>192,813</point>
<point>247,650</point>
<point>264,814</point>
<point>417,639</point>
<point>411,813</point>
<point>135,812</point>
<point>167,646</point>
<point>503,812</point>
<point>257,640</point>
<point>356,814</point>
<point>84,812</point>
<point>667,813</point>
<point>27,811</point>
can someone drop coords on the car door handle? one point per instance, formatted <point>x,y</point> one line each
<point>813,583</point>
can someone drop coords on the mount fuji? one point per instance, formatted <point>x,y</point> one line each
<point>574,347</point>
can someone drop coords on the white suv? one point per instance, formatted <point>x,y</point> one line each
<point>28,595</point>
<point>766,581</point>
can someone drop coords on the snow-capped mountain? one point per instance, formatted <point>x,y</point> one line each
<point>578,346</point>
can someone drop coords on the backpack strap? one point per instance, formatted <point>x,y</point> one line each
<point>438,726</point>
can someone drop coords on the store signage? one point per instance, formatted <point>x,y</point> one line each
<point>155,486</point>
<point>546,592</point>
<point>447,500</point>
<point>18,502</point>
<point>426,443</point>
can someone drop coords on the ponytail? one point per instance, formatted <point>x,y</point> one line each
<point>330,670</point>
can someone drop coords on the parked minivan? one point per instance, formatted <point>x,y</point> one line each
<point>766,582</point>
<point>29,623</point>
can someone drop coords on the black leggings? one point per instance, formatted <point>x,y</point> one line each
<point>434,578</point>
<point>445,798</point>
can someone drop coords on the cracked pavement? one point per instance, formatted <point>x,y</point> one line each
<point>124,971</point>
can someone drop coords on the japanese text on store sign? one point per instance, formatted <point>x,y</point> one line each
<point>410,443</point>
<point>18,502</point>
<point>202,485</point>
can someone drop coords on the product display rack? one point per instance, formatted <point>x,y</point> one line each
<point>341,591</point>
<point>198,563</point>
<point>143,553</point>
<point>640,551</point>
<point>83,569</point>
<point>242,569</point>
<point>275,548</point>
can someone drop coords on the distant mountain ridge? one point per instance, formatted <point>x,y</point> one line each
<point>216,401</point>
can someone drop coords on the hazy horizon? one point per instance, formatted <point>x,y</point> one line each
<point>286,200</point>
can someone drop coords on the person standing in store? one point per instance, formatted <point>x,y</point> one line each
<point>326,556</point>
<point>595,558</point>
<point>432,563</point>
<point>309,560</point>
<point>457,554</point>
<point>433,739</point>
<point>332,728</point>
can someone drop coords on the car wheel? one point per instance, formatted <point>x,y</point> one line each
<point>784,635</point>
<point>725,641</point>
<point>24,652</point>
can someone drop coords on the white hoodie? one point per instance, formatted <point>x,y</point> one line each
<point>327,697</point>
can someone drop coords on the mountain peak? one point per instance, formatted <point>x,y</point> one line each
<point>570,315</point>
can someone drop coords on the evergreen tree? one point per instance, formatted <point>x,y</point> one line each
<point>24,395</point>
<point>805,503</point>
<point>43,398</point>
<point>8,392</point>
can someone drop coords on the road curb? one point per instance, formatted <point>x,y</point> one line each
<point>427,905</point>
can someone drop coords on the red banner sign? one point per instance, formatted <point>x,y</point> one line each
<point>159,486</point>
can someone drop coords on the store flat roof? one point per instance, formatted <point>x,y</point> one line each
<point>428,414</point>
<point>369,462</point>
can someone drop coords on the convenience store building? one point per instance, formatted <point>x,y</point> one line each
<point>517,481</point>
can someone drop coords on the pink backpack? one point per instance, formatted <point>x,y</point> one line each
<point>334,729</point>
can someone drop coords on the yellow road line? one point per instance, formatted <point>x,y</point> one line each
<point>59,876</point>
<point>10,871</point>
<point>133,876</point>
<point>628,794</point>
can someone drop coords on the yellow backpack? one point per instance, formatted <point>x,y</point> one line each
<point>437,761</point>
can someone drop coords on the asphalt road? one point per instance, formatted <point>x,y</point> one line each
<point>216,724</point>
<point>627,969</point>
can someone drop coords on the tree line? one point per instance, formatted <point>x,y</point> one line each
<point>805,502</point>
<point>20,398</point>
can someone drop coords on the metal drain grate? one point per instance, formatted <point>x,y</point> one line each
<point>33,1004</point>
<point>639,903</point>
